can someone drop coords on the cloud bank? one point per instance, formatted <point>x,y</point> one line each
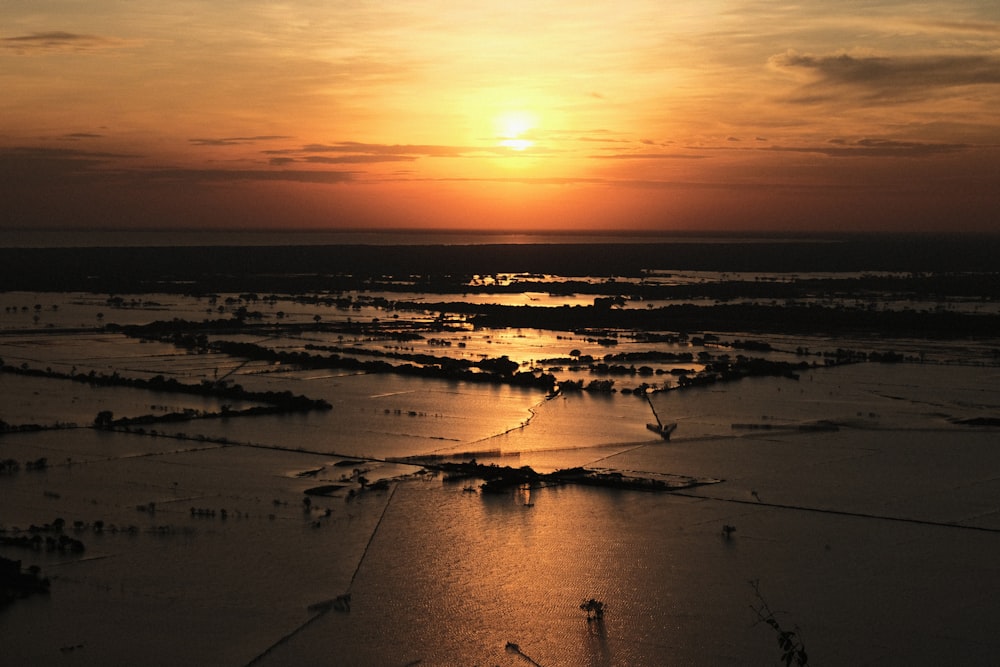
<point>886,77</point>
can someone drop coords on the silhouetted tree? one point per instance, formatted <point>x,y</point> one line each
<point>104,419</point>
<point>594,609</point>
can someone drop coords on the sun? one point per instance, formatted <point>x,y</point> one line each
<point>511,128</point>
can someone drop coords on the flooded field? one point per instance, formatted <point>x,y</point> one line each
<point>233,476</point>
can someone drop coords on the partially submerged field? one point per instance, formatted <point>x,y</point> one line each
<point>855,478</point>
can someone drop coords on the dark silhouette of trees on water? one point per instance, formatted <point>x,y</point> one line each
<point>104,419</point>
<point>594,609</point>
<point>16,583</point>
<point>499,370</point>
<point>284,400</point>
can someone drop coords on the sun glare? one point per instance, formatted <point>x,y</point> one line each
<point>517,144</point>
<point>511,127</point>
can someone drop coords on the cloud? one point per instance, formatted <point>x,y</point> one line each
<point>33,166</point>
<point>426,150</point>
<point>605,140</point>
<point>358,159</point>
<point>632,183</point>
<point>30,152</point>
<point>57,41</point>
<point>888,77</point>
<point>27,167</point>
<point>876,148</point>
<point>204,176</point>
<point>963,27</point>
<point>341,159</point>
<point>76,136</point>
<point>364,153</point>
<point>651,156</point>
<point>236,141</point>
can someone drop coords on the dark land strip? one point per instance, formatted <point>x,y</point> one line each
<point>146,269</point>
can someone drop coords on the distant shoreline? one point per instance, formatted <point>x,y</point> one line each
<point>217,268</point>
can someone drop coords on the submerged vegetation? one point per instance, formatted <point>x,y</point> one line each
<point>500,479</point>
<point>284,399</point>
<point>17,583</point>
<point>793,651</point>
<point>274,402</point>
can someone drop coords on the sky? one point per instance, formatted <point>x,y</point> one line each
<point>513,115</point>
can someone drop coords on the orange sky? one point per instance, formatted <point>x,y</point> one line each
<point>500,115</point>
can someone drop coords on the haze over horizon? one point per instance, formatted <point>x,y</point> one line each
<point>876,116</point>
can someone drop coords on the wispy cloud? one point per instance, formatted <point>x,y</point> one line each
<point>360,153</point>
<point>883,77</point>
<point>357,159</point>
<point>603,140</point>
<point>990,28</point>
<point>390,149</point>
<point>40,165</point>
<point>56,41</point>
<point>77,136</point>
<point>237,141</point>
<point>204,176</point>
<point>341,159</point>
<point>36,165</point>
<point>876,148</point>
<point>651,156</point>
<point>69,154</point>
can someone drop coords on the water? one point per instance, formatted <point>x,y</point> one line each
<point>844,530</point>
